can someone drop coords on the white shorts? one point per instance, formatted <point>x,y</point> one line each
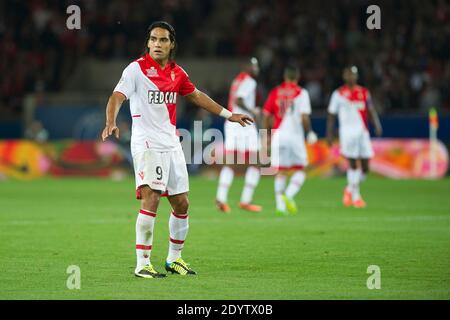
<point>287,155</point>
<point>356,146</point>
<point>163,171</point>
<point>242,139</point>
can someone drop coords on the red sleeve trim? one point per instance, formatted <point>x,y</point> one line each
<point>186,94</point>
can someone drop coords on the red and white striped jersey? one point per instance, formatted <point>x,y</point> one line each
<point>153,92</point>
<point>243,86</point>
<point>286,103</point>
<point>351,105</point>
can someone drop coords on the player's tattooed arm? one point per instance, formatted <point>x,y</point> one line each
<point>373,115</point>
<point>112,109</point>
<point>267,121</point>
<point>240,103</point>
<point>267,124</point>
<point>202,100</point>
<point>311,136</point>
<point>306,122</point>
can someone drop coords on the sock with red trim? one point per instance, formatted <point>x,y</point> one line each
<point>178,229</point>
<point>251,181</point>
<point>225,180</point>
<point>144,237</point>
<point>297,180</point>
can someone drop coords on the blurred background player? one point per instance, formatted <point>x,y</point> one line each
<point>354,106</point>
<point>152,83</point>
<point>286,112</point>
<point>241,141</point>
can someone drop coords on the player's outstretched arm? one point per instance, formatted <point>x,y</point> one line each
<point>112,109</point>
<point>204,101</point>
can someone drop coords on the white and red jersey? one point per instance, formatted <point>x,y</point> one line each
<point>286,103</point>
<point>153,92</point>
<point>243,86</point>
<point>351,105</point>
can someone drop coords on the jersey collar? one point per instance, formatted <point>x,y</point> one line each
<point>152,63</point>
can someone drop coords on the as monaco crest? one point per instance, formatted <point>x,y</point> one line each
<point>152,72</point>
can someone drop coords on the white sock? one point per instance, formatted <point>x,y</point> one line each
<point>350,174</point>
<point>362,176</point>
<point>251,181</point>
<point>144,237</point>
<point>353,179</point>
<point>280,184</point>
<point>178,229</point>
<point>295,184</point>
<point>225,180</point>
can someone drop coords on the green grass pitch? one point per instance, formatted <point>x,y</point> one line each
<point>321,253</point>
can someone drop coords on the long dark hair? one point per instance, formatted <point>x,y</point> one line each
<point>168,27</point>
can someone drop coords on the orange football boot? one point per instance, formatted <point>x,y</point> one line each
<point>250,207</point>
<point>360,203</point>
<point>347,199</point>
<point>223,207</point>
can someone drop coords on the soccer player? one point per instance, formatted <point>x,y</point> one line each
<point>353,104</point>
<point>286,112</point>
<point>240,141</point>
<point>152,83</point>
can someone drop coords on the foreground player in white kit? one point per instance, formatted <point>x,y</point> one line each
<point>288,105</point>
<point>152,84</point>
<point>353,104</point>
<point>241,142</point>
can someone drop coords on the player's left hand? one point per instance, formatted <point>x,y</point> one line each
<point>242,119</point>
<point>109,131</point>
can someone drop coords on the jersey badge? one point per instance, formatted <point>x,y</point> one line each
<point>152,72</point>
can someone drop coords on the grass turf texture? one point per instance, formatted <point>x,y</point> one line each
<point>322,253</point>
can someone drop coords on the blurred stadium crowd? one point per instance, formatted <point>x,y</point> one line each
<point>405,64</point>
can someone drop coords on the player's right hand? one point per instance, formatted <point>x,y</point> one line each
<point>329,142</point>
<point>109,131</point>
<point>311,137</point>
<point>242,119</point>
<point>379,131</point>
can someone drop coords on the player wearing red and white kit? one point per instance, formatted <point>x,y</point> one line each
<point>241,141</point>
<point>153,83</point>
<point>288,105</point>
<point>353,105</point>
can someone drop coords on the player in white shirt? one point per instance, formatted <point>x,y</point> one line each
<point>353,106</point>
<point>152,83</point>
<point>241,143</point>
<point>286,112</point>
